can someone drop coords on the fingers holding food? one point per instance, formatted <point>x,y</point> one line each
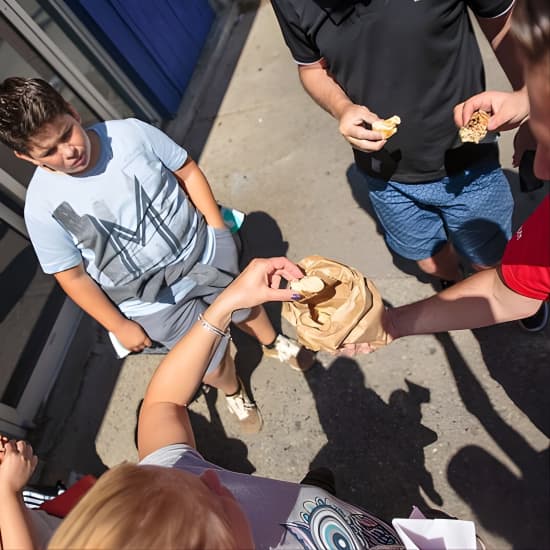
<point>387,127</point>
<point>476,129</point>
<point>307,286</point>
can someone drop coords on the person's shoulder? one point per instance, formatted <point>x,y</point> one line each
<point>134,127</point>
<point>120,124</point>
<point>490,9</point>
<point>33,194</point>
<point>123,135</point>
<point>169,455</point>
<point>39,183</point>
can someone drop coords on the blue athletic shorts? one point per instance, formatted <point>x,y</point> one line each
<point>472,210</point>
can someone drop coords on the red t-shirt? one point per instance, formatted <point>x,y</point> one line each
<point>526,261</point>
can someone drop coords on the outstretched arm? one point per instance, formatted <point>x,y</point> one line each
<point>164,418</point>
<point>479,301</point>
<point>18,464</point>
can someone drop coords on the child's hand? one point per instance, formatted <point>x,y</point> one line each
<point>132,336</point>
<point>18,465</point>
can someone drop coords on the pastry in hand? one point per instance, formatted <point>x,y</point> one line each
<point>308,286</point>
<point>387,127</point>
<point>476,129</point>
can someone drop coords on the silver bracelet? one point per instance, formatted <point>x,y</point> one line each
<point>211,328</point>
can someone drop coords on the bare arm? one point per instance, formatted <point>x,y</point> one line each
<point>351,118</point>
<point>479,301</point>
<point>195,184</point>
<point>496,30</point>
<point>164,418</point>
<point>323,89</point>
<point>85,292</point>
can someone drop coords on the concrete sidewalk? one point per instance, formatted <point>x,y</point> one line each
<point>456,421</point>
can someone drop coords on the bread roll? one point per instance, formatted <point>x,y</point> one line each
<point>387,127</point>
<point>308,286</point>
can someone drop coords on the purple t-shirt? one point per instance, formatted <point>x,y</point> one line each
<point>287,515</point>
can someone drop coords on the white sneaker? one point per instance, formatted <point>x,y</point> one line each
<point>287,350</point>
<point>247,412</point>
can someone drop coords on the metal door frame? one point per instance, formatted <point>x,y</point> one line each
<point>16,420</point>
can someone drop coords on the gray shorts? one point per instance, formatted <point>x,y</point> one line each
<point>170,324</point>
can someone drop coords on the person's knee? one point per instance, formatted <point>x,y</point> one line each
<point>428,265</point>
<point>245,315</point>
<point>444,264</point>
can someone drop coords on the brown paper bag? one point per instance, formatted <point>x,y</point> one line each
<point>348,310</point>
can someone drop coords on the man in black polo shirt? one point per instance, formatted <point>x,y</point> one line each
<point>416,59</point>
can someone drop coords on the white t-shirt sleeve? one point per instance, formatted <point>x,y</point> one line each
<point>168,151</point>
<point>169,455</point>
<point>54,247</point>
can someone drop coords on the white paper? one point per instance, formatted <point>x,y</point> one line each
<point>120,350</point>
<point>419,533</point>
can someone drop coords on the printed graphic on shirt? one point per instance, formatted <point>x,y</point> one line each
<point>325,525</point>
<point>120,254</point>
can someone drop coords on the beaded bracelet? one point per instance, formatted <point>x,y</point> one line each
<point>211,328</point>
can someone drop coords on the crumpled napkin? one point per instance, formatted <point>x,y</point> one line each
<point>419,533</point>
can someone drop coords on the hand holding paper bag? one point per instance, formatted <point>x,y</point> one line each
<point>347,310</point>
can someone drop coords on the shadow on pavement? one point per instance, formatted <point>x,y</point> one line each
<point>518,361</point>
<point>512,506</point>
<point>213,443</point>
<point>261,237</point>
<point>376,450</point>
<point>65,433</point>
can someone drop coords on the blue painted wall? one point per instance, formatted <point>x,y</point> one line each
<point>156,42</point>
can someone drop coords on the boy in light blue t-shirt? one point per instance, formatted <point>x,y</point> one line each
<point>128,225</point>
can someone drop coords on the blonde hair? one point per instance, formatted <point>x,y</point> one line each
<point>133,507</point>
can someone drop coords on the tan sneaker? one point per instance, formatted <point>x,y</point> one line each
<point>287,350</point>
<point>247,412</point>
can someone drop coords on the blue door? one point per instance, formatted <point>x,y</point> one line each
<point>156,42</point>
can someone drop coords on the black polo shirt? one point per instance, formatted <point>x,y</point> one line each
<point>412,58</point>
